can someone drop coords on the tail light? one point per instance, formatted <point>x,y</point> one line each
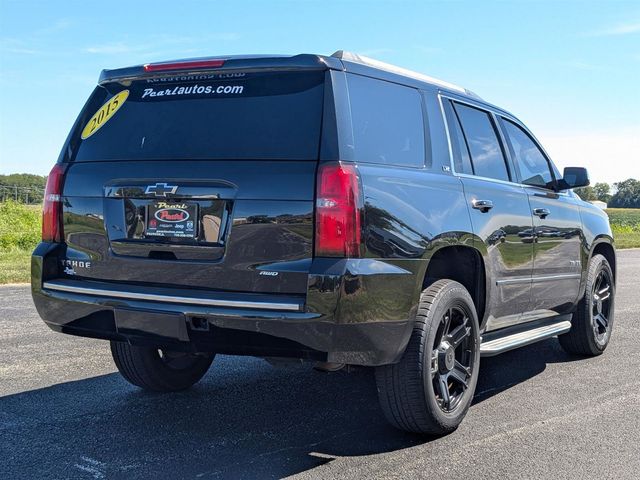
<point>337,211</point>
<point>52,207</point>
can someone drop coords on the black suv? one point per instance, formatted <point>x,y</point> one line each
<point>329,208</point>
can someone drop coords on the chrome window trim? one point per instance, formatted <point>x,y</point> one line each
<point>446,129</point>
<point>493,113</point>
<point>171,298</point>
<point>477,106</point>
<point>536,142</point>
<point>513,119</point>
<point>488,179</point>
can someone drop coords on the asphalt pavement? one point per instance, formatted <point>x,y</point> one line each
<point>538,413</point>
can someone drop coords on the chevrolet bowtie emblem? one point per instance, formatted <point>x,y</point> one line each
<point>161,189</point>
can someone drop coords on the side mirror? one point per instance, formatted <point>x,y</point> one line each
<point>573,177</point>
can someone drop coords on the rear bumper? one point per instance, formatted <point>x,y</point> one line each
<point>341,319</point>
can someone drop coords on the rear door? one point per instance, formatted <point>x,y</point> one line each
<point>199,181</point>
<point>557,225</point>
<point>499,210</point>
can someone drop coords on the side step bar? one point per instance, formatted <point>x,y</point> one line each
<point>494,343</point>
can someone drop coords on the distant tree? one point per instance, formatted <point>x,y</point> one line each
<point>602,191</point>
<point>22,187</point>
<point>586,193</point>
<point>627,194</point>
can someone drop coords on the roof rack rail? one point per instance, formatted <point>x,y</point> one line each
<point>361,59</point>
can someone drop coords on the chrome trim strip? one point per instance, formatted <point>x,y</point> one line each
<point>538,279</point>
<point>513,281</point>
<point>494,111</point>
<point>500,345</point>
<point>551,278</point>
<point>172,299</point>
<point>446,129</point>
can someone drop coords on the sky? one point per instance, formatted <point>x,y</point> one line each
<point>569,70</point>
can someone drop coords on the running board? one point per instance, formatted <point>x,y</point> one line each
<point>502,344</point>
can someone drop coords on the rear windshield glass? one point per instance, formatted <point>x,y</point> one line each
<point>267,116</point>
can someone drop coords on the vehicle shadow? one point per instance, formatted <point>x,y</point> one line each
<point>246,419</point>
<point>511,368</point>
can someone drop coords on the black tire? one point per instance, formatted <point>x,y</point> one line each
<point>592,321</point>
<point>412,392</point>
<point>159,370</point>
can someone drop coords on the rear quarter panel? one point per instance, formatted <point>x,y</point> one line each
<point>409,215</point>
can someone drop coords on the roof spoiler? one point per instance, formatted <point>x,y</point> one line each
<point>195,66</point>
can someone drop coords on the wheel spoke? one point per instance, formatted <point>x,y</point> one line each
<point>460,373</point>
<point>443,387</point>
<point>447,322</point>
<point>599,282</point>
<point>604,293</point>
<point>602,321</point>
<point>460,333</point>
<point>434,362</point>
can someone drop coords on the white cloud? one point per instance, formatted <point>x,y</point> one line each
<point>114,48</point>
<point>428,50</point>
<point>619,29</point>
<point>375,52</point>
<point>609,155</point>
<point>580,65</point>
<point>16,46</point>
<point>55,27</point>
<point>160,43</point>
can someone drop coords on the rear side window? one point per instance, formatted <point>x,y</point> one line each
<point>482,140</point>
<point>387,120</point>
<point>533,165</point>
<point>271,116</point>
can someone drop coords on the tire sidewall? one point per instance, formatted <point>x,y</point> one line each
<point>597,264</point>
<point>454,295</point>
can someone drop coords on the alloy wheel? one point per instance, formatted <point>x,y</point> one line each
<point>601,306</point>
<point>452,358</point>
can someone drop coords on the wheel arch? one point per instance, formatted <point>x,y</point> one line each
<point>603,245</point>
<point>454,262</point>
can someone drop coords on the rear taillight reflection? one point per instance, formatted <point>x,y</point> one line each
<point>52,207</point>
<point>337,211</point>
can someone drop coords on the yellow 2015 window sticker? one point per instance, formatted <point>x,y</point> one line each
<point>105,112</point>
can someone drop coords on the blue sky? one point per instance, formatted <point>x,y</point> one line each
<point>570,70</point>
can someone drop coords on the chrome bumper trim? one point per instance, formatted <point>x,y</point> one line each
<point>294,307</point>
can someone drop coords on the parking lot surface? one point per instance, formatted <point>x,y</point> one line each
<point>538,413</point>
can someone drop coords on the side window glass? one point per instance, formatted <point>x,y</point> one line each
<point>533,165</point>
<point>388,123</point>
<point>481,137</point>
<point>461,156</point>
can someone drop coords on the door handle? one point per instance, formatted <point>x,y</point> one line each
<point>483,205</point>
<point>541,212</point>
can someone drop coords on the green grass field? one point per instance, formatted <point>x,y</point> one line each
<point>14,265</point>
<point>625,223</point>
<point>20,233</point>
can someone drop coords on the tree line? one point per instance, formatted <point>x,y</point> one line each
<point>626,194</point>
<point>22,187</point>
<point>28,188</point>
